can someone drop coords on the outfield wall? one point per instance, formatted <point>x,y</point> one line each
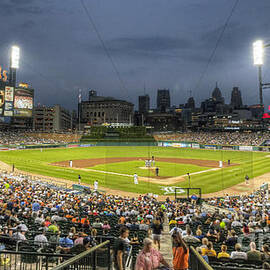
<point>176,144</point>
<point>183,144</point>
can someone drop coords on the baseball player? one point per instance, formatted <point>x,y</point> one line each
<point>153,161</point>
<point>96,185</point>
<point>135,178</point>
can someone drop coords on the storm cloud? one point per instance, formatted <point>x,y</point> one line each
<point>153,43</point>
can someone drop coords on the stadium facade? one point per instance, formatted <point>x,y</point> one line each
<point>99,110</point>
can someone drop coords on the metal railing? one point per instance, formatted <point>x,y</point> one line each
<point>197,262</point>
<point>96,257</point>
<point>12,260</point>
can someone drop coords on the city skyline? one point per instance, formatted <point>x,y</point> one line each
<point>154,43</point>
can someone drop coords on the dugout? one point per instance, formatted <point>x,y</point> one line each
<point>190,193</point>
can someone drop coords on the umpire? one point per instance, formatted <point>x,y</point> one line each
<point>157,171</point>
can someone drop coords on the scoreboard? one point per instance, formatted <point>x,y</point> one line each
<point>16,101</point>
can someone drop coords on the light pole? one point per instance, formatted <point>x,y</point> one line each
<point>258,54</point>
<point>188,180</point>
<point>14,64</point>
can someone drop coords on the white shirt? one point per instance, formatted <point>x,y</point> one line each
<point>40,239</point>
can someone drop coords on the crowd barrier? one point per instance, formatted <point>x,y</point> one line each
<point>95,258</point>
<point>197,262</point>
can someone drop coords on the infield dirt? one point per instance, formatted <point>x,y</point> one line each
<point>86,163</point>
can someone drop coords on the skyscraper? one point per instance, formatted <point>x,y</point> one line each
<point>144,104</point>
<point>236,98</point>
<point>190,103</point>
<point>217,96</point>
<point>163,100</point>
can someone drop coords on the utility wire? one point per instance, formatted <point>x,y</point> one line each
<point>92,23</point>
<point>216,45</point>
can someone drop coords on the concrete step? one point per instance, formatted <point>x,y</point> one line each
<point>166,244</point>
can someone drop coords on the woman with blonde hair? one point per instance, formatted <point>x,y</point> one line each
<point>149,258</point>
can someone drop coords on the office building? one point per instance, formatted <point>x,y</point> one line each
<point>144,104</point>
<point>236,98</point>
<point>54,118</point>
<point>105,110</point>
<point>163,100</point>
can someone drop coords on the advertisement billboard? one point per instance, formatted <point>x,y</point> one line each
<point>8,101</point>
<point>195,145</point>
<point>9,93</point>
<point>23,102</point>
<point>2,101</point>
<point>245,148</point>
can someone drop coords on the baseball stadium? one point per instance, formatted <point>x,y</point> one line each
<point>134,135</point>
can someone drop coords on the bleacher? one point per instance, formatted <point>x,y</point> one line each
<point>79,212</point>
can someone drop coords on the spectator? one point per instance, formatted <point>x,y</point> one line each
<point>149,258</point>
<point>199,234</point>
<point>176,228</point>
<point>53,228</point>
<point>180,252</point>
<point>189,238</point>
<point>157,228</point>
<point>238,254</point>
<point>205,257</point>
<point>120,248</point>
<point>79,240</point>
<point>265,252</point>
<point>66,241</point>
<point>209,251</point>
<point>223,253</point>
<point>97,224</point>
<point>204,243</point>
<point>253,254</point>
<point>41,239</point>
<point>231,238</point>
<point>18,235</point>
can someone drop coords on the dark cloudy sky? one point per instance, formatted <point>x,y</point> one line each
<point>159,43</point>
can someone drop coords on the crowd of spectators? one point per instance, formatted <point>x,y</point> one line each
<point>31,138</point>
<point>236,228</point>
<point>217,138</point>
<point>41,216</point>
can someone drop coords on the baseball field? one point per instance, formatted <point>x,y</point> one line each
<point>114,167</point>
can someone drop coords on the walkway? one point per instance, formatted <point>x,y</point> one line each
<point>166,243</point>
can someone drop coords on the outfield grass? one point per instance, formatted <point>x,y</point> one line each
<point>166,169</point>
<point>35,161</point>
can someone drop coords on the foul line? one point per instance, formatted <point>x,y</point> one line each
<point>128,175</point>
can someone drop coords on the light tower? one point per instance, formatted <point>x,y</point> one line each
<point>258,55</point>
<point>14,64</point>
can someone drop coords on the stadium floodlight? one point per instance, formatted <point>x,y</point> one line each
<point>15,56</point>
<point>258,50</point>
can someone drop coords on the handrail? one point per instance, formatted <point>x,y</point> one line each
<point>80,256</point>
<point>201,259</point>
